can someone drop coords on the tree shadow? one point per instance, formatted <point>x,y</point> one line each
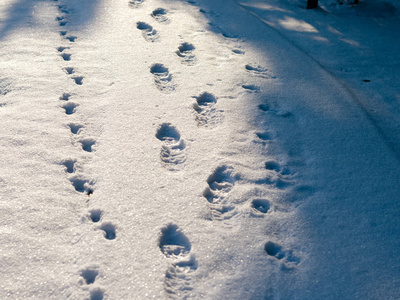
<point>71,14</point>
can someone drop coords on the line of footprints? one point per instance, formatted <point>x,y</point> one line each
<point>173,243</point>
<point>80,183</point>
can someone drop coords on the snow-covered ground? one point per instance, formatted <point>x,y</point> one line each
<point>202,149</point>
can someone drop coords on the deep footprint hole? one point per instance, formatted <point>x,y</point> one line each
<point>87,144</point>
<point>159,11</point>
<point>70,108</point>
<point>70,165</point>
<point>65,96</point>
<point>186,47</point>
<point>90,274</point>
<point>272,165</point>
<point>261,205</point>
<point>78,80</point>
<point>79,184</point>
<point>265,136</point>
<point>273,249</point>
<point>71,38</point>
<point>109,230</point>
<point>61,49</point>
<point>96,294</point>
<point>205,98</point>
<point>75,128</point>
<point>158,69</point>
<point>173,242</point>
<point>66,56</point>
<point>95,215</point>
<point>144,26</point>
<point>167,132</point>
<point>69,70</point>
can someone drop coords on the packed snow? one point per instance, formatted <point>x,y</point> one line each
<point>201,149</point>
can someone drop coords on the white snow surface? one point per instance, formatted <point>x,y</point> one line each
<point>202,149</point>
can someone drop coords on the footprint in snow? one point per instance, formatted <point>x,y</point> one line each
<point>176,246</point>
<point>162,78</point>
<point>61,48</point>
<point>173,149</point>
<point>95,215</point>
<point>136,3</point>
<point>185,52</point>
<point>87,144</point>
<point>75,128</point>
<point>71,38</point>
<point>89,274</point>
<point>66,56</point>
<point>148,32</point>
<point>70,108</point>
<point>173,243</point>
<point>69,165</point>
<point>160,15</point>
<point>220,183</point>
<point>257,70</point>
<point>65,97</point>
<point>109,230</point>
<point>275,250</point>
<point>81,185</point>
<point>96,293</point>
<point>251,88</point>
<point>78,79</point>
<point>69,70</point>
<point>206,113</point>
<point>63,9</point>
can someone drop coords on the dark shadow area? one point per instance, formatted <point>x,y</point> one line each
<point>71,14</point>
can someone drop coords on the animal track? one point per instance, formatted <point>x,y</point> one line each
<point>71,38</point>
<point>148,32</point>
<point>162,78</point>
<point>135,3</point>
<point>81,185</point>
<point>238,51</point>
<point>176,246</point>
<point>69,70</point>
<point>78,79</point>
<point>261,205</point>
<point>173,149</point>
<point>70,165</point>
<point>109,230</point>
<point>206,113</point>
<point>96,294</point>
<point>95,215</point>
<point>173,243</point>
<point>251,88</point>
<point>70,108</point>
<point>286,256</point>
<point>89,274</point>
<point>66,56</point>
<point>185,52</point>
<point>87,144</point>
<point>63,33</point>
<point>65,96</point>
<point>264,136</point>
<point>257,71</point>
<point>61,48</point>
<point>75,128</point>
<point>159,14</point>
<point>63,9</point>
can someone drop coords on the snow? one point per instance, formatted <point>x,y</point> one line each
<point>199,149</point>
